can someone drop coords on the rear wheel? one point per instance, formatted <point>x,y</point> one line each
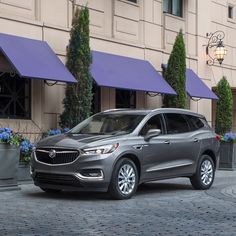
<point>124,179</point>
<point>205,173</point>
<point>48,190</point>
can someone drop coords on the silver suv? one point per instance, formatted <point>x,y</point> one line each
<point>116,150</point>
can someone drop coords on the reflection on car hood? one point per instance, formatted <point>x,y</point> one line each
<point>76,140</point>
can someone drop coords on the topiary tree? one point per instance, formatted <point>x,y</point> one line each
<point>224,107</point>
<point>78,97</point>
<point>175,74</point>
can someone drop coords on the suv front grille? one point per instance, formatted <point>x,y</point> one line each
<point>55,156</point>
<point>58,179</point>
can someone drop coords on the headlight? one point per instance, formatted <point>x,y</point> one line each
<point>101,149</point>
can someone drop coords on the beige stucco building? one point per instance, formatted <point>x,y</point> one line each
<point>143,29</point>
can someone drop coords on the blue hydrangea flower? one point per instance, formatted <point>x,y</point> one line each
<point>54,132</point>
<point>8,130</point>
<point>4,136</point>
<point>26,146</point>
<point>65,130</point>
<point>229,137</point>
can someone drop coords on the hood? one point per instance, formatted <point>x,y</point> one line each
<point>78,140</point>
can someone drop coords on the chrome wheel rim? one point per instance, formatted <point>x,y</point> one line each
<point>126,179</point>
<point>206,172</point>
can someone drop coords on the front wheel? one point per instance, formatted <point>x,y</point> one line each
<point>124,179</point>
<point>205,173</point>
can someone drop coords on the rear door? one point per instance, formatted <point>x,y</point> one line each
<point>184,145</point>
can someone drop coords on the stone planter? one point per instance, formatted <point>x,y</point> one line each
<point>9,160</point>
<point>24,172</point>
<point>227,156</point>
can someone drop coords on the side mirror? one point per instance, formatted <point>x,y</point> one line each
<point>152,133</point>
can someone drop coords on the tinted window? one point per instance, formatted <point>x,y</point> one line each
<point>108,123</point>
<point>153,123</point>
<point>176,123</point>
<point>194,122</point>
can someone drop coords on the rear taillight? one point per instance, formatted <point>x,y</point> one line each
<point>218,137</point>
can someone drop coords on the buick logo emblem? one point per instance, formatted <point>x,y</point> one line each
<point>52,153</point>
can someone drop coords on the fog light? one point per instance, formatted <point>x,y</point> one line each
<point>90,174</point>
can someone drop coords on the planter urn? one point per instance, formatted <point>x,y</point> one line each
<point>9,161</point>
<point>24,171</point>
<point>227,156</point>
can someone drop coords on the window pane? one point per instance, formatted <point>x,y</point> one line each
<point>14,96</point>
<point>177,7</point>
<point>153,123</point>
<point>125,98</point>
<point>134,1</point>
<point>108,123</point>
<point>194,122</point>
<point>166,6</point>
<point>176,123</point>
<point>230,12</point>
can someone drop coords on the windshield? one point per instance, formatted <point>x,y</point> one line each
<point>108,124</point>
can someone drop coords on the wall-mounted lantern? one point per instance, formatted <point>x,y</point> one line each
<point>215,40</point>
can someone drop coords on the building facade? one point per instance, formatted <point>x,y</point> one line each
<point>142,29</point>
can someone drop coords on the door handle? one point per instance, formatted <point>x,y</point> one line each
<point>167,142</point>
<point>196,140</point>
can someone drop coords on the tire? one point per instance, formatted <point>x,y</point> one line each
<point>121,186</point>
<point>48,190</point>
<point>205,173</point>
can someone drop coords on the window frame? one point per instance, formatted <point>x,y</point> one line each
<point>230,6</point>
<point>13,93</point>
<point>167,125</point>
<point>170,8</point>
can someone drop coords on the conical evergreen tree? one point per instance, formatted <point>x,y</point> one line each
<point>224,107</point>
<point>77,102</point>
<point>175,74</point>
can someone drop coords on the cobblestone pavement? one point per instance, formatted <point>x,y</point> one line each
<point>160,208</point>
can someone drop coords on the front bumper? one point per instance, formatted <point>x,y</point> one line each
<point>75,175</point>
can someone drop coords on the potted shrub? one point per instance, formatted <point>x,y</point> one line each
<point>9,157</point>
<point>223,124</point>
<point>26,149</point>
<point>228,151</point>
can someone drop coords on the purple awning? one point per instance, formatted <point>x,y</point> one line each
<point>114,71</point>
<point>195,87</point>
<point>33,59</point>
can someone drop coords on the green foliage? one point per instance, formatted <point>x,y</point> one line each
<point>78,99</point>
<point>224,108</point>
<point>175,74</point>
